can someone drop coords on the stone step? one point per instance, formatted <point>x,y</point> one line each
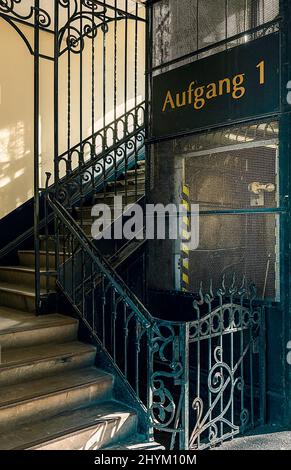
<point>138,442</point>
<point>90,428</point>
<point>24,275</point>
<point>130,182</point>
<point>17,296</point>
<point>35,400</point>
<point>21,329</point>
<point>85,213</point>
<point>27,258</point>
<point>33,362</point>
<point>129,197</point>
<point>131,174</point>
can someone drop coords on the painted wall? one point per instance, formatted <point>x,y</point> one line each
<point>16,102</point>
<point>16,123</point>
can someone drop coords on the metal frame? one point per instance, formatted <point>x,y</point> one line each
<point>281,23</point>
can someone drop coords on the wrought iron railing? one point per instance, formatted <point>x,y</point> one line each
<point>196,381</point>
<point>103,157</point>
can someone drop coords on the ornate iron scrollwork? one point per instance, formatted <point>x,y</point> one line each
<point>165,351</point>
<point>86,17</point>
<point>9,7</point>
<point>231,319</point>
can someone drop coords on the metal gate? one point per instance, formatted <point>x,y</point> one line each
<point>208,374</point>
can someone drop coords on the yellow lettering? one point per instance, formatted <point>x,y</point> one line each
<point>190,92</point>
<point>261,67</point>
<point>178,102</point>
<point>225,81</point>
<point>211,91</point>
<point>169,100</point>
<point>199,101</point>
<point>238,90</point>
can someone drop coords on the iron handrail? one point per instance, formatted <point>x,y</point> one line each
<point>67,178</point>
<point>92,251</point>
<point>100,156</point>
<point>112,124</point>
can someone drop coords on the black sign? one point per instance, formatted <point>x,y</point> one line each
<point>239,83</point>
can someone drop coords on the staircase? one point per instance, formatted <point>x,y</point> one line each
<point>53,394</point>
<point>130,186</point>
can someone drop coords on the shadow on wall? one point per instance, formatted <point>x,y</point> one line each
<point>16,121</point>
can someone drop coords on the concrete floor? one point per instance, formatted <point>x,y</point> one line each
<point>264,438</point>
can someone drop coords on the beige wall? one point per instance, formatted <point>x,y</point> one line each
<point>16,103</point>
<point>16,124</point>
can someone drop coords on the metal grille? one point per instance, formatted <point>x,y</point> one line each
<point>189,25</point>
<point>230,170</point>
<point>235,179</point>
<point>240,245</point>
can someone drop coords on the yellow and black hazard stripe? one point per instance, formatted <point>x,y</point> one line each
<point>185,238</point>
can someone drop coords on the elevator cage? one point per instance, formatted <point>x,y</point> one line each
<point>233,173</point>
<point>237,173</point>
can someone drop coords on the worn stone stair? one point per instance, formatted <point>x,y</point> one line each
<point>52,396</point>
<point>131,186</point>
<point>52,393</point>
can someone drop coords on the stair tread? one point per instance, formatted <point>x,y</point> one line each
<point>21,268</point>
<point>19,289</point>
<point>13,321</point>
<point>118,193</point>
<point>41,252</point>
<point>50,385</point>
<point>138,442</point>
<point>31,435</point>
<point>12,357</point>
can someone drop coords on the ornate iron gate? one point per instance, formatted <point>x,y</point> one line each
<point>207,377</point>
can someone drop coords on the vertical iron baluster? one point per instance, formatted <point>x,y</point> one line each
<point>183,341</point>
<point>92,291</point>
<point>73,271</point>
<point>149,380</point>
<point>137,353</point>
<point>69,83</point>
<point>104,143</point>
<point>241,355</point>
<point>125,337</point>
<point>198,363</point>
<point>114,316</point>
<point>46,235</point>
<point>135,98</point>
<point>115,137</point>
<point>221,359</point>
<point>231,355</point>
<point>125,102</point>
<point>56,133</point>
<point>210,348</point>
<point>252,347</point>
<point>103,296</point>
<point>104,81</point>
<point>64,239</point>
<point>82,283</point>
<point>81,87</point>
<point>251,342</point>
<point>36,157</point>
<point>93,84</point>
